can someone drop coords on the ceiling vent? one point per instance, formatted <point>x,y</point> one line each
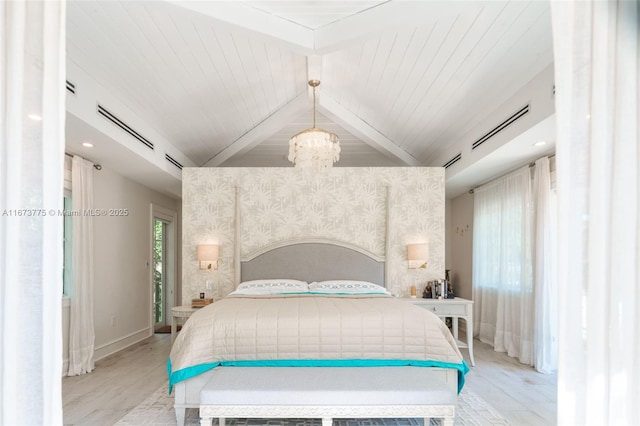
<point>124,126</point>
<point>453,161</point>
<point>173,161</point>
<point>500,127</point>
<point>71,87</point>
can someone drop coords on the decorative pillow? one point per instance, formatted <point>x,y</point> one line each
<point>272,286</point>
<point>347,287</point>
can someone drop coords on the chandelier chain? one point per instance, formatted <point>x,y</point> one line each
<point>314,107</point>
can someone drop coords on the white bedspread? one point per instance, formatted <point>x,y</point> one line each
<point>310,328</point>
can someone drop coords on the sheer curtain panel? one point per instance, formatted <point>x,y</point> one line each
<point>502,276</point>
<point>598,168</point>
<point>544,270</point>
<point>32,110</point>
<point>81,330</point>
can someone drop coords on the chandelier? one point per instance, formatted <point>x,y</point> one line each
<point>314,148</point>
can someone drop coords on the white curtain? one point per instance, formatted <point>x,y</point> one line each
<point>502,275</point>
<point>597,75</point>
<point>32,85</point>
<point>81,330</point>
<point>544,270</point>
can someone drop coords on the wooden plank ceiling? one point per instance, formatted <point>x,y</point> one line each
<point>226,82</point>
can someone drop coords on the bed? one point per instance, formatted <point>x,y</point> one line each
<point>349,322</point>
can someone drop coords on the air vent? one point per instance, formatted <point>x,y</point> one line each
<point>453,161</point>
<point>173,161</point>
<point>124,126</point>
<point>71,87</point>
<point>500,127</point>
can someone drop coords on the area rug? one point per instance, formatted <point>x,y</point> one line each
<point>157,409</point>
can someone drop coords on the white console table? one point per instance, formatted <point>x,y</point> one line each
<point>454,308</point>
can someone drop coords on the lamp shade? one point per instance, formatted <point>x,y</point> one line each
<point>418,252</point>
<point>208,252</point>
<point>417,255</point>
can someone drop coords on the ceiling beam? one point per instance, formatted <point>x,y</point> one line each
<point>262,131</point>
<point>299,38</point>
<point>332,37</point>
<point>314,72</point>
<point>388,15</point>
<point>314,67</point>
<point>363,131</point>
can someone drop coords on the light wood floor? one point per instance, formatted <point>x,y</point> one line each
<point>118,384</point>
<point>522,395</point>
<point>122,381</point>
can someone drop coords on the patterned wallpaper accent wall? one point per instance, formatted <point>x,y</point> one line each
<point>344,204</point>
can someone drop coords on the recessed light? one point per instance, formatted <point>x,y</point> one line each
<point>35,117</point>
<point>540,143</point>
<point>87,144</point>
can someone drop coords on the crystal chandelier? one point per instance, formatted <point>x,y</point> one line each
<point>314,148</point>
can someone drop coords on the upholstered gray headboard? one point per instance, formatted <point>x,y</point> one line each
<point>314,262</point>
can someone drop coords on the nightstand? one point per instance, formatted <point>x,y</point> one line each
<point>179,312</point>
<point>454,308</point>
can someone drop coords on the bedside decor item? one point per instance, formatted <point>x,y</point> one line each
<point>437,289</point>
<point>314,148</point>
<point>449,293</point>
<point>448,287</point>
<point>428,291</point>
<point>208,255</point>
<point>201,302</point>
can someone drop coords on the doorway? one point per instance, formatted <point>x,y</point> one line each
<point>159,299</point>
<point>163,266</point>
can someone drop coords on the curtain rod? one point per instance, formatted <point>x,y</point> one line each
<point>96,166</point>
<point>533,164</point>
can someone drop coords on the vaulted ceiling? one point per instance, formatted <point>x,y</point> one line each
<point>225,83</point>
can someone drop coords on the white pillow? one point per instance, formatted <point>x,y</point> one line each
<point>347,287</point>
<point>272,286</point>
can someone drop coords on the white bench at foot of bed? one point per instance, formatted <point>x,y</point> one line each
<point>327,393</point>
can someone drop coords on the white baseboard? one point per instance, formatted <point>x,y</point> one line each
<point>117,345</point>
<point>112,347</point>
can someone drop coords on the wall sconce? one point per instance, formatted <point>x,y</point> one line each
<point>208,255</point>
<point>417,255</point>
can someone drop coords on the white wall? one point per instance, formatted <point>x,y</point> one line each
<point>344,204</point>
<point>460,237</point>
<point>448,254</point>
<point>122,248</point>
